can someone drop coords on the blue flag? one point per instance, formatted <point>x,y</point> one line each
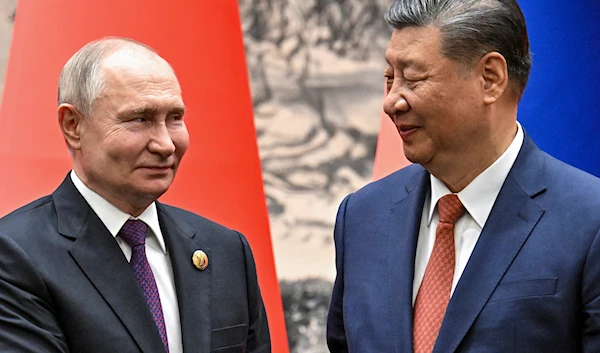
<point>561,105</point>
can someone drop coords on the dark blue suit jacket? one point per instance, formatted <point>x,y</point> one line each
<point>65,285</point>
<point>532,283</point>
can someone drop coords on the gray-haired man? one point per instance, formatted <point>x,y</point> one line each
<point>102,266</point>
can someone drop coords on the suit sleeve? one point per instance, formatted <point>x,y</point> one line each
<point>259,340</point>
<point>591,299</point>
<point>336,333</point>
<point>27,320</point>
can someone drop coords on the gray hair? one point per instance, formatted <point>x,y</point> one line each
<point>82,80</point>
<point>470,29</point>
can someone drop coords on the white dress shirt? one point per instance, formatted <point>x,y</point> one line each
<point>478,199</point>
<point>156,252</point>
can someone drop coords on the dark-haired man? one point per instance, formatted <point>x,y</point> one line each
<point>486,243</point>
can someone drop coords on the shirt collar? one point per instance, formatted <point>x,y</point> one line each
<point>112,217</point>
<point>480,195</point>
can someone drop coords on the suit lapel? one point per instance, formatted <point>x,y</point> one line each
<point>192,285</point>
<point>100,258</point>
<point>403,231</point>
<point>510,223</point>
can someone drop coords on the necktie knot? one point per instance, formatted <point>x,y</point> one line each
<point>450,208</point>
<point>134,232</point>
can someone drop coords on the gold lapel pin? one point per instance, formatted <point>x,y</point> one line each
<point>200,260</point>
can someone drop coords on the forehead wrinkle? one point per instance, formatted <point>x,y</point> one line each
<point>125,78</point>
<point>413,47</point>
<point>153,89</point>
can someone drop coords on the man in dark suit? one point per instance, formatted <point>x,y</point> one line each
<point>486,243</point>
<point>100,265</point>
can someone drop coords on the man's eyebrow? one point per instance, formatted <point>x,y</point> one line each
<point>400,62</point>
<point>177,109</point>
<point>148,110</point>
<point>404,64</point>
<point>152,110</point>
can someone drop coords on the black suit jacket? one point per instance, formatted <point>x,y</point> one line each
<point>65,285</point>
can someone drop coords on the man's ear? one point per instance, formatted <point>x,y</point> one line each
<point>70,121</point>
<point>494,72</point>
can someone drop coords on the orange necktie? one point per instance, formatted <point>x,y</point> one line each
<point>434,293</point>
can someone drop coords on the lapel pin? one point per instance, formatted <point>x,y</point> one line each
<point>200,260</point>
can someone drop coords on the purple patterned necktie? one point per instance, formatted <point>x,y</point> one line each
<point>134,233</point>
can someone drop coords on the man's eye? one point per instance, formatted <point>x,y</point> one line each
<point>176,117</point>
<point>389,81</point>
<point>139,119</point>
<point>412,78</point>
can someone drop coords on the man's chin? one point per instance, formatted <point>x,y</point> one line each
<point>413,156</point>
<point>155,191</point>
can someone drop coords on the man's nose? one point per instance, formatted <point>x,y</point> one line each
<point>161,142</point>
<point>394,103</point>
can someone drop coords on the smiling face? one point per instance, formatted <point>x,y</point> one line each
<point>436,104</point>
<point>130,148</point>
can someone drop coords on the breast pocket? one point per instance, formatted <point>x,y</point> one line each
<point>524,289</point>
<point>230,339</point>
